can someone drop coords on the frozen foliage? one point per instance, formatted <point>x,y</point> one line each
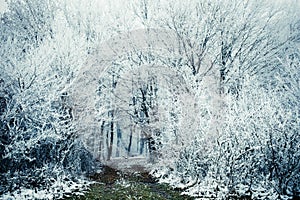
<point>256,151</point>
<point>41,153</point>
<point>208,91</point>
<point>247,143</point>
<point>253,150</point>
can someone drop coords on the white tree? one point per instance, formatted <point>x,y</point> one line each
<point>242,44</point>
<point>40,147</point>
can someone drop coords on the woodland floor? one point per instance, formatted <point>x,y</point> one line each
<point>115,184</point>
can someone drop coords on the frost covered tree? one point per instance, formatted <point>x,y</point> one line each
<point>205,89</point>
<point>40,147</point>
<point>245,53</point>
<point>210,44</point>
<point>256,152</point>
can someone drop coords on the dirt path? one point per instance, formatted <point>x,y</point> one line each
<point>114,184</point>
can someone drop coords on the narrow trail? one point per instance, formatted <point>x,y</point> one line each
<point>128,180</point>
<point>129,165</point>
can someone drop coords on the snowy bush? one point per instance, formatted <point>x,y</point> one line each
<point>40,146</point>
<point>247,143</point>
<point>256,151</point>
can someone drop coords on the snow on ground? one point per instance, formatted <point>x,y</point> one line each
<point>59,189</point>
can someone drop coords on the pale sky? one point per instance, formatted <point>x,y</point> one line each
<point>101,3</point>
<point>3,6</point>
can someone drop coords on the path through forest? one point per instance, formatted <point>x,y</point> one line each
<point>128,179</point>
<point>129,164</point>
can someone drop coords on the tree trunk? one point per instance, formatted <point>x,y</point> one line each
<point>130,141</point>
<point>101,145</point>
<point>119,138</point>
<point>110,149</point>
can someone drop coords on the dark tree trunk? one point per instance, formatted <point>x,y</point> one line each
<point>101,145</point>
<point>119,138</point>
<point>130,141</point>
<point>110,149</point>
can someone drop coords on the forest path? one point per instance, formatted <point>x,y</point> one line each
<point>136,164</point>
<point>127,180</point>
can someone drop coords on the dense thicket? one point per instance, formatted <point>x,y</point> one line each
<point>39,146</point>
